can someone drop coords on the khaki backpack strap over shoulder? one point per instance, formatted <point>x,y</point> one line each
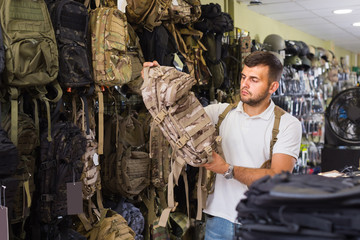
<point>275,131</point>
<point>223,115</point>
<point>278,113</point>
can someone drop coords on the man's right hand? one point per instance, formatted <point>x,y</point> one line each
<point>149,64</point>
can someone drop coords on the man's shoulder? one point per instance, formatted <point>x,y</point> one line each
<point>214,110</point>
<point>288,119</point>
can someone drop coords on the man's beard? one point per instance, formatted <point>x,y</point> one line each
<point>255,100</point>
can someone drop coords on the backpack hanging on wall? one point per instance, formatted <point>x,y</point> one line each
<point>60,163</point>
<point>31,54</point>
<point>111,64</point>
<point>70,21</point>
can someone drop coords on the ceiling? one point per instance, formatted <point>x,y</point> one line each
<point>315,17</point>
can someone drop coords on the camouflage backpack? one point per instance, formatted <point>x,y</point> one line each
<point>111,226</point>
<point>126,166</point>
<point>60,163</point>
<point>31,54</point>
<point>147,13</point>
<point>137,59</point>
<point>70,20</point>
<point>183,122</point>
<point>111,64</point>
<point>160,154</point>
<point>184,11</point>
<point>91,172</point>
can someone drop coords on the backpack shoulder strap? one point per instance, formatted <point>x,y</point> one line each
<point>223,115</point>
<point>278,113</point>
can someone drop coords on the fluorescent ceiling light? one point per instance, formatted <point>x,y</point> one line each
<point>356,24</point>
<point>342,11</point>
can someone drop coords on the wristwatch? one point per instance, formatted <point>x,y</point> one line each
<point>229,174</point>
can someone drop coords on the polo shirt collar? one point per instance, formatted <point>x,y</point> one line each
<point>264,115</point>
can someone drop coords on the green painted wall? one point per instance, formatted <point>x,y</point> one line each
<point>260,26</point>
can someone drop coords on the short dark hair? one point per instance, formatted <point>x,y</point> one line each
<point>266,59</point>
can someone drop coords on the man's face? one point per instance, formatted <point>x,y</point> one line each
<point>255,85</point>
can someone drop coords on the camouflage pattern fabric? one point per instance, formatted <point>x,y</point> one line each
<point>185,125</point>
<point>160,154</point>
<point>132,215</point>
<point>90,176</point>
<point>184,11</point>
<point>70,20</point>
<point>180,116</point>
<point>147,13</point>
<point>109,39</point>
<point>137,60</point>
<point>112,226</point>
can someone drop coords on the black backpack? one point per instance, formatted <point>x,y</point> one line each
<point>161,46</point>
<point>60,163</point>
<point>70,21</point>
<point>9,155</point>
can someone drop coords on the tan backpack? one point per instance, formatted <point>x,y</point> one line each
<point>111,64</point>
<point>147,13</point>
<point>111,226</point>
<point>184,123</point>
<point>184,11</point>
<point>90,176</point>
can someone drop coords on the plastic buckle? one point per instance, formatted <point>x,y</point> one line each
<point>47,197</point>
<point>183,140</point>
<point>208,150</point>
<point>160,116</point>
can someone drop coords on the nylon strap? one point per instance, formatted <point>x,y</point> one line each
<point>278,113</point>
<point>223,115</point>
<point>101,120</point>
<point>14,94</point>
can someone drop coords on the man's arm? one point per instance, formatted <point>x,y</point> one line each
<point>280,162</point>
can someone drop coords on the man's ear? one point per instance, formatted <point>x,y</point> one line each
<point>273,87</point>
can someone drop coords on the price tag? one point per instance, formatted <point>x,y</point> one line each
<point>96,159</point>
<point>175,3</point>
<point>4,224</point>
<point>74,198</point>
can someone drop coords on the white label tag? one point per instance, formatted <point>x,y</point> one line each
<point>74,198</point>
<point>327,66</point>
<point>175,3</point>
<point>96,159</point>
<point>4,224</point>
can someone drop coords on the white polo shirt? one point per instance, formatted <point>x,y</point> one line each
<point>246,143</point>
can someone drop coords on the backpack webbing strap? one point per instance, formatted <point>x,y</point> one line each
<point>278,113</point>
<point>223,115</point>
<point>101,121</point>
<point>149,200</point>
<point>176,170</point>
<point>14,95</point>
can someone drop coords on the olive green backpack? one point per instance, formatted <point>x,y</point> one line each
<point>31,55</point>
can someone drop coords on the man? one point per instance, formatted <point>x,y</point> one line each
<point>246,132</point>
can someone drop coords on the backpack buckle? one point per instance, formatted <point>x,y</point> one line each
<point>183,140</point>
<point>160,116</point>
<point>47,197</point>
<point>208,150</point>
